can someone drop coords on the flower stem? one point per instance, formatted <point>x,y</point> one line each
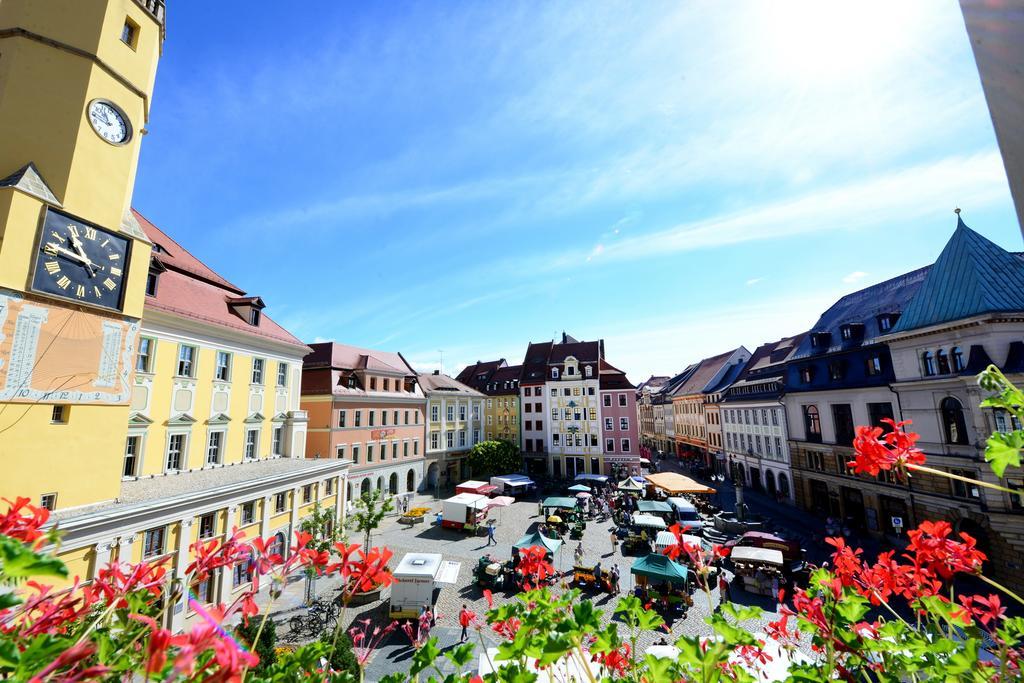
<point>968,480</point>
<point>1001,587</point>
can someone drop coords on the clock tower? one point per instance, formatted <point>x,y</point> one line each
<point>76,81</point>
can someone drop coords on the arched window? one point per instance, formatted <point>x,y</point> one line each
<point>953,424</point>
<point>943,361</point>
<point>365,486</point>
<point>380,484</point>
<point>410,481</point>
<point>784,485</point>
<point>769,481</point>
<point>812,423</point>
<point>958,359</point>
<point>393,483</point>
<point>927,364</point>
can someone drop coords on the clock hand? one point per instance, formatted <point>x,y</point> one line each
<point>56,248</point>
<point>86,261</point>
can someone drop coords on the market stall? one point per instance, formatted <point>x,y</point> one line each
<point>646,521</point>
<point>465,511</point>
<point>657,508</point>
<point>630,485</point>
<point>415,579</point>
<point>757,567</point>
<point>674,483</point>
<point>513,484</point>
<point>480,488</point>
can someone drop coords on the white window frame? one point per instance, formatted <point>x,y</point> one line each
<point>282,375</point>
<point>259,366</point>
<point>182,451</point>
<point>223,362</point>
<point>255,444</point>
<point>187,366</point>
<point>147,357</point>
<point>220,434</point>
<point>623,424</point>
<point>277,440</point>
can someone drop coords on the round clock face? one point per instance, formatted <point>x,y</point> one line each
<point>109,122</point>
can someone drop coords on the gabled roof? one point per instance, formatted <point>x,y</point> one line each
<point>584,352</point>
<point>190,289</point>
<point>535,362</point>
<point>612,378</point>
<point>704,373</point>
<point>28,180</point>
<point>345,357</point>
<point>653,382</point>
<point>771,357</point>
<point>972,276</point>
<point>435,381</point>
<point>471,374</point>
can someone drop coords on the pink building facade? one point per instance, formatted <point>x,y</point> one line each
<point>620,431</point>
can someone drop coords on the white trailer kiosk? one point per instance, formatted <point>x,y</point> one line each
<point>513,484</point>
<point>465,511</point>
<point>416,578</point>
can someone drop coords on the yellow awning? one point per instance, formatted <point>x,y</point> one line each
<point>674,483</point>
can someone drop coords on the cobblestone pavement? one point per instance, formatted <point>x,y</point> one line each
<point>512,523</point>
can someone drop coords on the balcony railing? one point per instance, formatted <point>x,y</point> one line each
<point>155,9</point>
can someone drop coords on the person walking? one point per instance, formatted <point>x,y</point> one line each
<point>490,534</point>
<point>615,541</point>
<point>723,589</point>
<point>465,618</point>
<point>578,554</point>
<point>614,576</point>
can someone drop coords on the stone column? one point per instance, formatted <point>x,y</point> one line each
<point>293,520</point>
<point>268,506</point>
<point>227,572</point>
<point>340,498</point>
<point>124,546</point>
<point>102,556</point>
<point>177,612</point>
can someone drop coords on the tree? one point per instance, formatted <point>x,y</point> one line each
<point>343,659</point>
<point>246,632</point>
<point>370,510</point>
<point>494,457</point>
<point>322,525</point>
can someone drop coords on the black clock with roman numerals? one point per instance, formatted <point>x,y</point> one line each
<point>81,262</point>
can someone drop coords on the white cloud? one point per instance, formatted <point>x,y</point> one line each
<point>854,277</point>
<point>754,280</point>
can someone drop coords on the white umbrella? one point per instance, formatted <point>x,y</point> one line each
<point>583,495</point>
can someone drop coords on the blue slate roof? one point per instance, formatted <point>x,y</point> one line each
<point>972,276</point>
<point>862,307</point>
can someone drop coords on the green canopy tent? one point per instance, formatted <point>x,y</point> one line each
<point>658,567</point>
<point>562,502</point>
<point>579,488</point>
<point>531,539</point>
<point>655,507</point>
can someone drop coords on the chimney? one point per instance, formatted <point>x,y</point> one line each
<point>437,372</point>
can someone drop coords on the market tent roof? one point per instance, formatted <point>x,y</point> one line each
<point>500,502</point>
<point>629,485</point>
<point>599,478</point>
<point>655,506</point>
<point>745,553</point>
<point>648,521</point>
<point>560,502</point>
<point>535,538</point>
<point>659,568</point>
<point>673,482</point>
<point>581,488</point>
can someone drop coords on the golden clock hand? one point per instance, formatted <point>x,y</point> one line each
<point>86,261</point>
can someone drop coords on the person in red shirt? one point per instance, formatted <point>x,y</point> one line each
<point>465,618</point>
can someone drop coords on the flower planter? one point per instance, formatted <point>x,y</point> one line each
<point>366,598</point>
<point>404,519</point>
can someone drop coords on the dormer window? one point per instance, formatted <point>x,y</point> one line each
<point>570,370</point>
<point>151,281</point>
<point>886,321</point>
<point>806,374</point>
<point>820,340</point>
<point>589,370</point>
<point>248,308</point>
<point>851,332</point>
<point>837,370</point>
<point>554,373</point>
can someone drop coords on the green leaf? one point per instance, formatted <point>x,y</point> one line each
<point>425,656</point>
<point>461,655</point>
<point>8,600</point>
<point>1003,450</point>
<point>19,562</point>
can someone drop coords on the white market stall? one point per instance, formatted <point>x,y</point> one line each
<point>416,577</point>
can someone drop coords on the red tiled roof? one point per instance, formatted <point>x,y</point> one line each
<point>344,357</point>
<point>189,288</point>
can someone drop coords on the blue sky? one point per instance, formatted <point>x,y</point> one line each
<point>677,178</point>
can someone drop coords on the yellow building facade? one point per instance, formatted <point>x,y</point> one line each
<point>75,84</point>
<point>144,399</point>
<point>499,381</point>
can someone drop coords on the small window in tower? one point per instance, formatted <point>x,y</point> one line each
<point>254,317</point>
<point>130,33</point>
<point>151,281</point>
<point>60,415</point>
<point>48,501</point>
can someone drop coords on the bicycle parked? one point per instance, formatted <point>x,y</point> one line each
<point>320,616</point>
